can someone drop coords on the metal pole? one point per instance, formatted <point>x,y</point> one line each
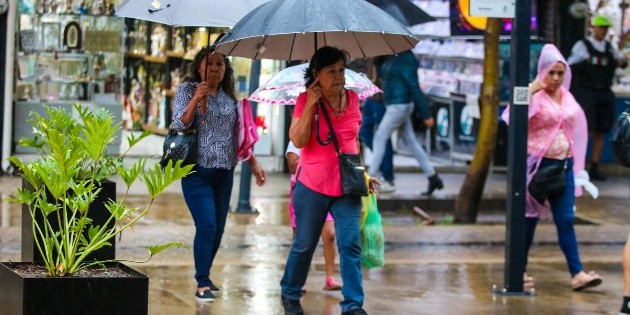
<point>246,173</point>
<point>7,28</point>
<point>515,252</point>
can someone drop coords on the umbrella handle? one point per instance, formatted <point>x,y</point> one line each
<point>204,102</point>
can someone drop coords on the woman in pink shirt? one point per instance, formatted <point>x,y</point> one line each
<point>318,187</point>
<point>557,132</point>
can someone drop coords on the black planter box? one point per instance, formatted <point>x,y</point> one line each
<point>97,212</point>
<point>73,295</point>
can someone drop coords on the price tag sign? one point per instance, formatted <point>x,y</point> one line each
<point>493,8</point>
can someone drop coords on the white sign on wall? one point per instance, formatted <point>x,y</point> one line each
<point>493,8</point>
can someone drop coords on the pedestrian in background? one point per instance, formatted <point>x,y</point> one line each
<point>402,95</point>
<point>556,136</point>
<point>328,231</point>
<point>318,183</point>
<point>593,62</point>
<point>206,101</point>
<point>372,113</point>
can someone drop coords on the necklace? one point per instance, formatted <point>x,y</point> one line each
<point>340,109</point>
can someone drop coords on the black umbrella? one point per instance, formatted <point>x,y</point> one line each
<point>295,29</point>
<point>404,11</point>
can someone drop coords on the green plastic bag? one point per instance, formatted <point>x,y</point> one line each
<point>372,238</point>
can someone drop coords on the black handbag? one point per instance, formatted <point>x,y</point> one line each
<point>548,181</point>
<point>351,169</point>
<point>180,146</point>
<point>621,138</point>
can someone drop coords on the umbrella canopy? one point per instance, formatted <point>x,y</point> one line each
<point>404,11</point>
<point>284,87</point>
<point>188,12</point>
<point>295,29</point>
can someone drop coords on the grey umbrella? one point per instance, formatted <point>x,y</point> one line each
<point>295,29</point>
<point>187,12</point>
<point>404,11</point>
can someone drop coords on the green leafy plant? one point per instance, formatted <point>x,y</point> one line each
<point>65,181</point>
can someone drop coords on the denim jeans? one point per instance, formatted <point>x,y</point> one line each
<point>207,193</point>
<point>372,113</point>
<point>563,217</point>
<point>310,215</point>
<point>397,116</point>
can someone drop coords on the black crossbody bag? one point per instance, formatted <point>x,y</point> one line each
<point>549,181</point>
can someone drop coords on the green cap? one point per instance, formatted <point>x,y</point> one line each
<point>600,20</point>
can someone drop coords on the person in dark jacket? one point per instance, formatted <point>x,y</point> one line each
<point>593,61</point>
<point>402,95</point>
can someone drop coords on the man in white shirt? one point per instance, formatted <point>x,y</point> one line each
<point>593,61</point>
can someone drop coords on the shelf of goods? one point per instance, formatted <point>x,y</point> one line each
<point>67,54</point>
<point>157,57</point>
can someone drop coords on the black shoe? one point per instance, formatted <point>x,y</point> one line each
<point>595,174</point>
<point>205,297</point>
<point>214,288</point>
<point>292,307</point>
<point>435,182</point>
<point>356,311</point>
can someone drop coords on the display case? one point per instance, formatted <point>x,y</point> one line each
<point>451,75</point>
<point>67,54</point>
<point>156,60</point>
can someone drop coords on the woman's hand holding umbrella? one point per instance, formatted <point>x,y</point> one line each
<point>202,94</point>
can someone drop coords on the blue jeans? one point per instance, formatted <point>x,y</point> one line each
<point>207,193</point>
<point>563,217</point>
<point>372,113</point>
<point>310,215</point>
<point>396,116</point>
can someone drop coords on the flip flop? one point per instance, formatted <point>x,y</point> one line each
<point>528,282</point>
<point>332,285</point>
<point>590,280</point>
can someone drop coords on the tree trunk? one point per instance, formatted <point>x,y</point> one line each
<point>467,204</point>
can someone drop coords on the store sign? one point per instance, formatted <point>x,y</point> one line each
<point>465,128</point>
<point>493,8</point>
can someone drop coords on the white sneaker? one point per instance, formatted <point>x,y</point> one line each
<point>386,186</point>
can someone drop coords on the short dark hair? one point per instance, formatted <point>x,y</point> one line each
<point>227,84</point>
<point>321,59</point>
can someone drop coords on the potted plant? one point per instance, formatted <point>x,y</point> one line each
<point>63,184</point>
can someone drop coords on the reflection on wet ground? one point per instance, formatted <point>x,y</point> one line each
<point>457,288</point>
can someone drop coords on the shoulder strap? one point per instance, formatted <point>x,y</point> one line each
<point>609,48</point>
<point>330,126</point>
<point>589,46</point>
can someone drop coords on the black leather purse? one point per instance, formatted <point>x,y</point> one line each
<point>180,146</point>
<point>549,181</point>
<point>351,169</point>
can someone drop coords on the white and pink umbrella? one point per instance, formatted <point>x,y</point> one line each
<point>284,87</point>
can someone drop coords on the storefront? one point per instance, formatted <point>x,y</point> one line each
<point>73,53</point>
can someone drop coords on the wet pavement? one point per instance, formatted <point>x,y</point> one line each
<point>436,269</point>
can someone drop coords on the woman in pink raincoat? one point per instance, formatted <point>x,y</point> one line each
<point>557,131</point>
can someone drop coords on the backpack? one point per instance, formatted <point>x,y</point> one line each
<point>247,133</point>
<point>621,138</point>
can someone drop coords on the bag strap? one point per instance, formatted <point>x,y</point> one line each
<point>332,131</point>
<point>330,125</point>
